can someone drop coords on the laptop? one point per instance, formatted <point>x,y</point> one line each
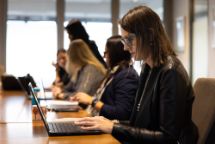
<point>46,95</point>
<point>25,80</point>
<point>57,105</point>
<point>60,128</point>
<point>62,106</point>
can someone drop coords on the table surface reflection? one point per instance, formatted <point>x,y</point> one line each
<point>16,124</point>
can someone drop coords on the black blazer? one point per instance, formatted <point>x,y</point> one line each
<point>119,95</point>
<point>164,114</point>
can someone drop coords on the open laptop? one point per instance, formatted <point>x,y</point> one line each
<point>57,105</point>
<point>25,80</point>
<point>60,128</point>
<point>46,95</point>
<point>62,106</point>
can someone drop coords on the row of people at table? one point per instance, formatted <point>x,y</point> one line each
<point>153,108</point>
<point>112,90</point>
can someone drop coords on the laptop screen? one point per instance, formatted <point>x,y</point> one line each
<point>38,105</point>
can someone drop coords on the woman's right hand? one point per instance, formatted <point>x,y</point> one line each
<point>82,98</point>
<point>56,91</point>
<point>96,123</point>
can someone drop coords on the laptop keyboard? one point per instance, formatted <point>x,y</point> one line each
<point>64,127</point>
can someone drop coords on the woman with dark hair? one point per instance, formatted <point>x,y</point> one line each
<point>163,106</point>
<point>115,53</point>
<point>115,97</point>
<point>62,77</point>
<point>76,30</point>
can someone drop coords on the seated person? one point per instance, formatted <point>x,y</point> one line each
<point>85,70</point>
<point>115,97</point>
<point>162,113</point>
<point>62,78</point>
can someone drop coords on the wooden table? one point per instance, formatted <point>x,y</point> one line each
<point>16,126</point>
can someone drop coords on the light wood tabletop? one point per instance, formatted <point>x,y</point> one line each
<point>17,127</point>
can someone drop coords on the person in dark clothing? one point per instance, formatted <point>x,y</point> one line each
<point>115,97</point>
<point>76,30</point>
<point>62,77</point>
<point>163,105</point>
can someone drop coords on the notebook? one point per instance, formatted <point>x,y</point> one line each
<point>60,128</point>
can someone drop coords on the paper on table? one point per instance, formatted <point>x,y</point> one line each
<point>62,102</point>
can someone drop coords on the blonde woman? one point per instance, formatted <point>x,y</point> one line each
<point>85,70</point>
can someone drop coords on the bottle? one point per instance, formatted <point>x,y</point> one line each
<point>35,112</point>
<point>36,92</point>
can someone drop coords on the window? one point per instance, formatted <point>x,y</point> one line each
<point>156,5</point>
<point>31,48</point>
<point>31,39</point>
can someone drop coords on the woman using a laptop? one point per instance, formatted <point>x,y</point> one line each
<point>85,70</point>
<point>62,77</point>
<point>163,107</point>
<point>115,97</point>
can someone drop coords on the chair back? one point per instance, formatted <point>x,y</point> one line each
<point>203,113</point>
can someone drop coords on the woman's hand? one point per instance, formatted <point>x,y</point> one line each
<point>56,91</point>
<point>96,123</point>
<point>82,98</point>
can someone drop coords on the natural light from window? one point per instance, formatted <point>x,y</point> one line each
<point>31,48</point>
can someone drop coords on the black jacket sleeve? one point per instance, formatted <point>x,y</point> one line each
<point>139,135</point>
<point>124,90</point>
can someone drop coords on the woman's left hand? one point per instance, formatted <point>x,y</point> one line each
<point>96,123</point>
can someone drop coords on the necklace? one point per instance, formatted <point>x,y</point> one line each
<point>141,98</point>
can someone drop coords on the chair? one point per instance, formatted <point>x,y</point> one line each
<point>203,113</point>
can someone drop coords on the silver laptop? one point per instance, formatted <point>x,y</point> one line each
<point>56,105</point>
<point>62,106</point>
<point>45,95</point>
<point>60,128</point>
